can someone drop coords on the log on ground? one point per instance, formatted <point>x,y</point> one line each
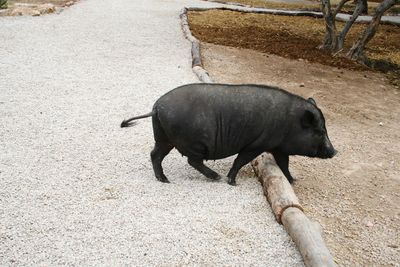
<point>277,189</point>
<point>288,211</point>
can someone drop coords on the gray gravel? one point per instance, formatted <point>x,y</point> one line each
<point>75,189</point>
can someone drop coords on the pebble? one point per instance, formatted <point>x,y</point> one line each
<point>70,3</point>
<point>369,224</point>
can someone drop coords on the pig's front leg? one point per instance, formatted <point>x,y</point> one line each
<point>242,159</point>
<point>283,162</point>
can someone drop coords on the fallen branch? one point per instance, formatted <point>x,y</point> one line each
<point>279,193</point>
<point>202,74</point>
<point>287,210</point>
<point>197,65</point>
<point>258,10</point>
<point>307,237</point>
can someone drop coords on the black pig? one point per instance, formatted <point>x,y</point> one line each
<point>215,121</point>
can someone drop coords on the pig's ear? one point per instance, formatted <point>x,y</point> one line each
<point>308,119</point>
<point>312,101</point>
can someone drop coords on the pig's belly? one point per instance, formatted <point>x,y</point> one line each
<point>205,150</point>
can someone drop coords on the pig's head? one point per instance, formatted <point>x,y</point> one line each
<point>308,135</point>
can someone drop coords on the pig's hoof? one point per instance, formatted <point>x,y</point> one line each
<point>163,180</point>
<point>291,180</point>
<point>216,178</point>
<point>233,183</point>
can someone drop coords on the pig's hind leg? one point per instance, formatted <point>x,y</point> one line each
<point>157,155</point>
<point>199,165</point>
<point>161,148</point>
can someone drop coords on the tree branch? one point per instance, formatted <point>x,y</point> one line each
<point>339,7</point>
<point>357,51</point>
<point>357,11</point>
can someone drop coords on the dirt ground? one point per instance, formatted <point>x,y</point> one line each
<point>293,37</point>
<point>310,5</point>
<point>355,195</point>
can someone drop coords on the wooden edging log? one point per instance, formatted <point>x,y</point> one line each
<point>306,235</point>
<point>202,74</point>
<point>280,195</point>
<point>288,211</point>
<point>197,65</point>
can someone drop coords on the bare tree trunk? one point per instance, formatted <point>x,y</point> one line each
<point>364,11</point>
<point>330,40</point>
<point>357,51</point>
<point>342,36</point>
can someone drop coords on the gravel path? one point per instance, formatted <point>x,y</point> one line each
<point>75,189</point>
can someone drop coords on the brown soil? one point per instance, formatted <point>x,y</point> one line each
<point>355,196</point>
<point>313,5</point>
<point>290,37</point>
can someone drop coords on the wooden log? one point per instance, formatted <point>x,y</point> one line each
<point>277,189</point>
<point>288,211</point>
<point>197,65</point>
<point>196,56</point>
<point>202,74</point>
<point>185,25</point>
<point>259,10</point>
<point>228,3</point>
<point>307,238</point>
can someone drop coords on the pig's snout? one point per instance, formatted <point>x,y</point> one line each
<point>332,153</point>
<point>327,150</point>
<point>328,153</point>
